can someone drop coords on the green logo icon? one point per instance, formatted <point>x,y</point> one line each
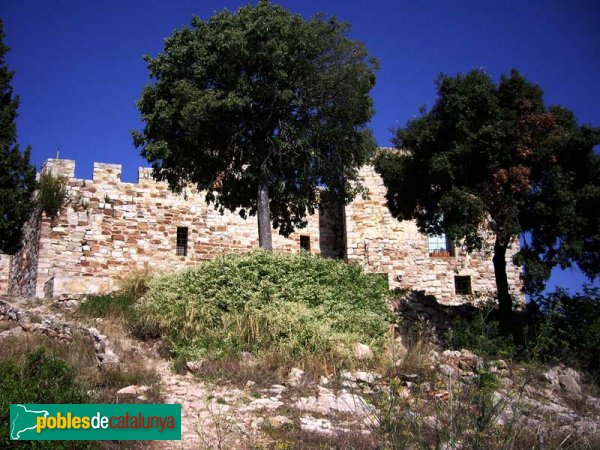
<point>24,420</point>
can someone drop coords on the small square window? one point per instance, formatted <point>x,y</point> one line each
<point>305,243</point>
<point>182,241</point>
<point>462,285</point>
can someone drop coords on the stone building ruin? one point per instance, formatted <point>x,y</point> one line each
<point>108,227</point>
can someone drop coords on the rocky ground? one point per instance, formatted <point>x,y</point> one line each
<point>428,390</point>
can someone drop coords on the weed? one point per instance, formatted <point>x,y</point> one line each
<point>135,283</point>
<point>482,335</point>
<point>52,193</point>
<point>115,306</point>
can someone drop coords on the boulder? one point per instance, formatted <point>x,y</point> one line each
<point>195,366</point>
<point>314,425</point>
<point>565,378</point>
<point>366,377</point>
<point>362,351</point>
<point>278,422</point>
<point>133,390</point>
<point>569,384</point>
<point>448,370</point>
<point>469,361</point>
<point>295,376</point>
<point>264,403</point>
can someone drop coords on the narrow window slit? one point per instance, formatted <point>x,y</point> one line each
<point>182,241</point>
<point>305,243</point>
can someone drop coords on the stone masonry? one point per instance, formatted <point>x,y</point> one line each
<point>385,245</point>
<point>108,227</point>
<point>4,272</point>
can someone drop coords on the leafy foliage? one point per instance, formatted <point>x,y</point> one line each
<point>493,155</point>
<point>37,378</point>
<point>574,322</point>
<point>52,193</point>
<point>481,335</point>
<point>291,305</point>
<point>17,175</point>
<point>260,99</point>
<point>557,327</point>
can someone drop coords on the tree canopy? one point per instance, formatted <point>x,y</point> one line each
<point>17,175</point>
<point>493,156</point>
<point>264,110</point>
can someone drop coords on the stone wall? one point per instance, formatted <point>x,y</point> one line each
<point>108,227</point>
<point>4,273</point>
<point>24,263</point>
<point>382,244</point>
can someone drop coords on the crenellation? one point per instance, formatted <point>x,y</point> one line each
<point>108,227</point>
<point>59,167</point>
<point>107,173</point>
<point>145,176</point>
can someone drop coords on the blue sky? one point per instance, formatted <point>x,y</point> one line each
<point>79,67</point>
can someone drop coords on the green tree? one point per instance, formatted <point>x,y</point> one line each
<point>264,110</point>
<point>17,175</point>
<point>493,156</point>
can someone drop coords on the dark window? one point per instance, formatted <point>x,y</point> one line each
<point>305,243</point>
<point>462,285</point>
<point>440,245</point>
<point>182,241</point>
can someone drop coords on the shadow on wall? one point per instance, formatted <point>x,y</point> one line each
<point>420,312</point>
<point>332,233</point>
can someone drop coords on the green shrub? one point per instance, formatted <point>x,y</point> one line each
<point>481,335</point>
<point>291,305</point>
<point>37,378</point>
<point>52,192</point>
<point>119,306</point>
<point>572,323</point>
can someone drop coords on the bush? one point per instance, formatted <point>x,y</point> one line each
<point>37,378</point>
<point>290,305</point>
<point>557,327</point>
<point>482,334</point>
<point>119,306</point>
<point>573,322</point>
<point>52,192</point>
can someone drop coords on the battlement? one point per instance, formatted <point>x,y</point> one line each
<point>59,167</point>
<point>106,227</point>
<point>103,172</point>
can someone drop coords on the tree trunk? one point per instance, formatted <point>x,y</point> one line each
<point>263,212</point>
<point>504,297</point>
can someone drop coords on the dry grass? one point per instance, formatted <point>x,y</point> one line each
<point>420,410</point>
<point>295,438</point>
<point>78,353</point>
<point>135,282</point>
<point>102,383</point>
<point>416,360</point>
